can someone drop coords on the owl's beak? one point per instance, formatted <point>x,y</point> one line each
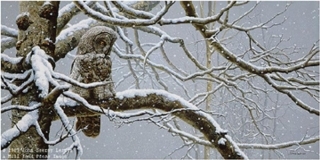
<point>107,54</point>
<point>106,51</point>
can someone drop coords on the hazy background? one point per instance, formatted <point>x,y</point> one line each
<point>145,140</point>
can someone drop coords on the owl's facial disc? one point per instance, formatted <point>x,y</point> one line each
<point>102,44</point>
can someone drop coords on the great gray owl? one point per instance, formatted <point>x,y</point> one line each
<point>93,64</point>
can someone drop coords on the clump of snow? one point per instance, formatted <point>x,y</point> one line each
<point>48,39</point>
<point>42,69</point>
<point>47,3</point>
<point>23,14</point>
<point>222,141</point>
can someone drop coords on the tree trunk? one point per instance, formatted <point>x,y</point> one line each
<point>37,27</point>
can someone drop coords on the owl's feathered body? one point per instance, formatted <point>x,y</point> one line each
<point>93,64</point>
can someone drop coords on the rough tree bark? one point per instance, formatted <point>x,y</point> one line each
<point>36,23</point>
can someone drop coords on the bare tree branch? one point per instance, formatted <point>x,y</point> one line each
<point>263,72</point>
<point>280,145</point>
<point>127,23</point>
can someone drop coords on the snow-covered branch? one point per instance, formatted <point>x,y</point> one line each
<point>264,71</point>
<point>52,142</point>
<point>295,99</point>
<point>68,38</point>
<point>19,107</point>
<point>133,12</point>
<point>77,83</point>
<point>256,69</point>
<point>197,20</point>
<point>9,62</point>
<point>42,68</point>
<point>280,145</point>
<point>159,99</point>
<point>261,25</point>
<point>69,128</point>
<point>11,65</point>
<point>161,33</point>
<point>10,32</point>
<point>14,90</point>
<point>128,22</point>
<point>7,43</point>
<point>173,73</point>
<point>22,126</point>
<point>249,73</point>
<point>67,13</point>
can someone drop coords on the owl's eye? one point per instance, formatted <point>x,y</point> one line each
<point>103,43</point>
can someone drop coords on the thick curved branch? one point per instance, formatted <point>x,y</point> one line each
<point>68,39</point>
<point>159,99</point>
